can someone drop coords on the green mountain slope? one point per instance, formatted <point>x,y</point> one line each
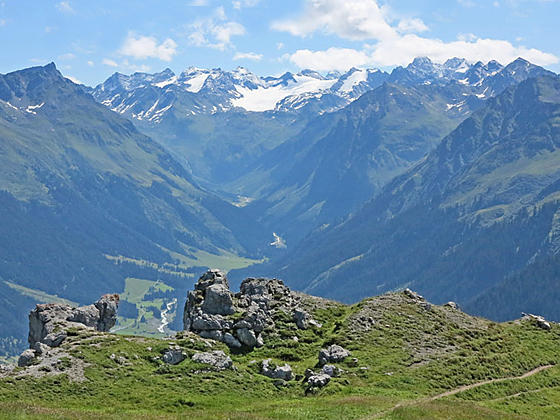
<point>477,209</point>
<point>80,186</point>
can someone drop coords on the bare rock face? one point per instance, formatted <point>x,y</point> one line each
<point>48,323</point>
<point>211,305</point>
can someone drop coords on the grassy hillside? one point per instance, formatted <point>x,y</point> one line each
<point>414,361</point>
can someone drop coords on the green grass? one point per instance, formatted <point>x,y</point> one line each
<point>406,357</point>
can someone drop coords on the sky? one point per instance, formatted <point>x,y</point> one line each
<point>91,39</point>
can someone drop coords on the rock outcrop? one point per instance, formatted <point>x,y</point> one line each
<point>277,372</point>
<point>537,319</point>
<point>238,320</point>
<point>48,323</point>
<point>332,354</point>
<point>217,359</point>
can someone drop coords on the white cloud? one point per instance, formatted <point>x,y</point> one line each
<point>65,7</point>
<point>340,59</point>
<point>90,63</point>
<point>198,3</point>
<point>279,45</point>
<point>248,56</point>
<point>142,47</point>
<point>412,25</point>
<point>349,19</point>
<point>390,44</point>
<point>238,4</point>
<point>215,31</point>
<point>109,62</point>
<point>3,22</point>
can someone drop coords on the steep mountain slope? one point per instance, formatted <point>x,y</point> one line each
<point>478,208</point>
<point>81,187</point>
<point>340,159</point>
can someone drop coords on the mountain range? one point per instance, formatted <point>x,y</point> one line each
<point>442,177</point>
<point>479,208</point>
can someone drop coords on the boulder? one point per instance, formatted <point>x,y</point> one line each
<point>210,278</point>
<point>331,370</point>
<point>218,300</point>
<point>231,341</point>
<point>451,305</point>
<point>26,358</point>
<point>318,381</point>
<point>270,370</point>
<point>174,356</point>
<point>302,319</point>
<point>217,359</point>
<point>247,337</point>
<point>332,354</point>
<point>412,295</point>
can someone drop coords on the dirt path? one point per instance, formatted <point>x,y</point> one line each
<point>463,389</point>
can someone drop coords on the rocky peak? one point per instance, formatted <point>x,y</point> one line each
<point>241,319</point>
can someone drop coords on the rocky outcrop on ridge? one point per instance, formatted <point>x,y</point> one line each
<point>238,320</point>
<point>48,323</point>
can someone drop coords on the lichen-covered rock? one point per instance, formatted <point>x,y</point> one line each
<point>217,359</point>
<point>26,358</point>
<point>270,370</point>
<point>210,278</point>
<point>332,354</point>
<point>48,322</point>
<point>318,381</point>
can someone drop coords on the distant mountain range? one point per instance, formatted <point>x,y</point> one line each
<point>459,224</point>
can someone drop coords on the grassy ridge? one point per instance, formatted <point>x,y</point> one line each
<point>407,353</point>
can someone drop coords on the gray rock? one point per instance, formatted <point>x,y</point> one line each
<point>539,320</point>
<point>41,349</point>
<point>231,341</point>
<point>218,300</point>
<point>302,319</point>
<point>247,337</point>
<point>26,358</point>
<point>210,278</point>
<point>210,322</point>
<point>174,356</point>
<point>48,319</point>
<point>319,381</point>
<point>217,359</point>
<point>270,370</point>
<point>260,341</point>
<point>212,335</point>
<point>333,354</point>
<point>331,370</point>
<point>452,305</point>
<point>412,295</point>
<point>55,339</point>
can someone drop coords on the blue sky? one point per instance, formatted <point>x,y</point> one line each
<point>90,40</point>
